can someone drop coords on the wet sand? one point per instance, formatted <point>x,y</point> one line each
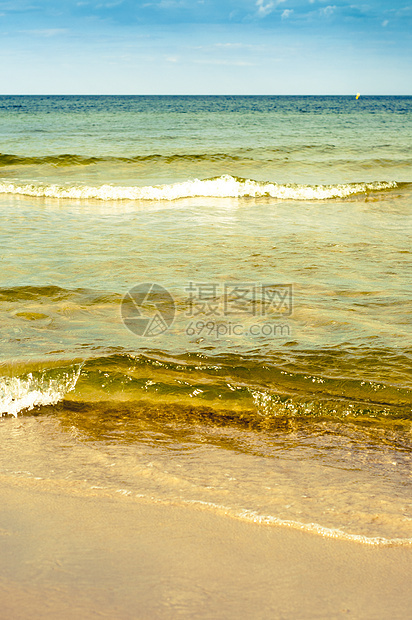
<point>70,557</point>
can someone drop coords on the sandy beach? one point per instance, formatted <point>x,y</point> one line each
<point>86,557</point>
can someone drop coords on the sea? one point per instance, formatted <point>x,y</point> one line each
<point>206,302</point>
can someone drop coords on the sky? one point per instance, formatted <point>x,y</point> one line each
<point>267,47</point>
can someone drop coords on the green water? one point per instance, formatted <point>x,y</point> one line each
<point>279,230</point>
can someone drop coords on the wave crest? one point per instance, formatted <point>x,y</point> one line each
<point>18,394</point>
<point>225,186</point>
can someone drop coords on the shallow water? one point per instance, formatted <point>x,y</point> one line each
<point>207,299</point>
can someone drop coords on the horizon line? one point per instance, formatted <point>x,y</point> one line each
<point>199,95</point>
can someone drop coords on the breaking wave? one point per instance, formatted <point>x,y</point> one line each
<point>225,186</point>
<point>33,390</point>
<point>234,390</point>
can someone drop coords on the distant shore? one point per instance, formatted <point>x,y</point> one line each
<point>84,557</point>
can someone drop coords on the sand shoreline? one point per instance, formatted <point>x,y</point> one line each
<point>69,557</point>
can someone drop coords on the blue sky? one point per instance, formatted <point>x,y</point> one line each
<point>206,47</point>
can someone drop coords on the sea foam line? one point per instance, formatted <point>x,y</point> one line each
<point>312,528</point>
<point>225,186</point>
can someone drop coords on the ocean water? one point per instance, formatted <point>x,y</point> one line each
<point>207,301</point>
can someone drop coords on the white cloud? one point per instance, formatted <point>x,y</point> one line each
<point>170,4</point>
<point>228,47</point>
<point>264,9</point>
<point>109,5</point>
<point>328,10</point>
<point>46,32</point>
<point>287,13</point>
<point>400,12</point>
<point>17,6</point>
<point>225,63</point>
<point>385,23</point>
<point>232,46</point>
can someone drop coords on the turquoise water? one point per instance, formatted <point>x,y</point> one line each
<point>214,294</point>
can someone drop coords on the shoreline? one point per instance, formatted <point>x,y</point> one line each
<point>91,557</point>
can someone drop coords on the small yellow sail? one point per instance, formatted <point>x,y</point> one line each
<point>357,95</point>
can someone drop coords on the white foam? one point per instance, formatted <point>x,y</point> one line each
<point>313,528</point>
<point>19,394</point>
<point>223,187</point>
